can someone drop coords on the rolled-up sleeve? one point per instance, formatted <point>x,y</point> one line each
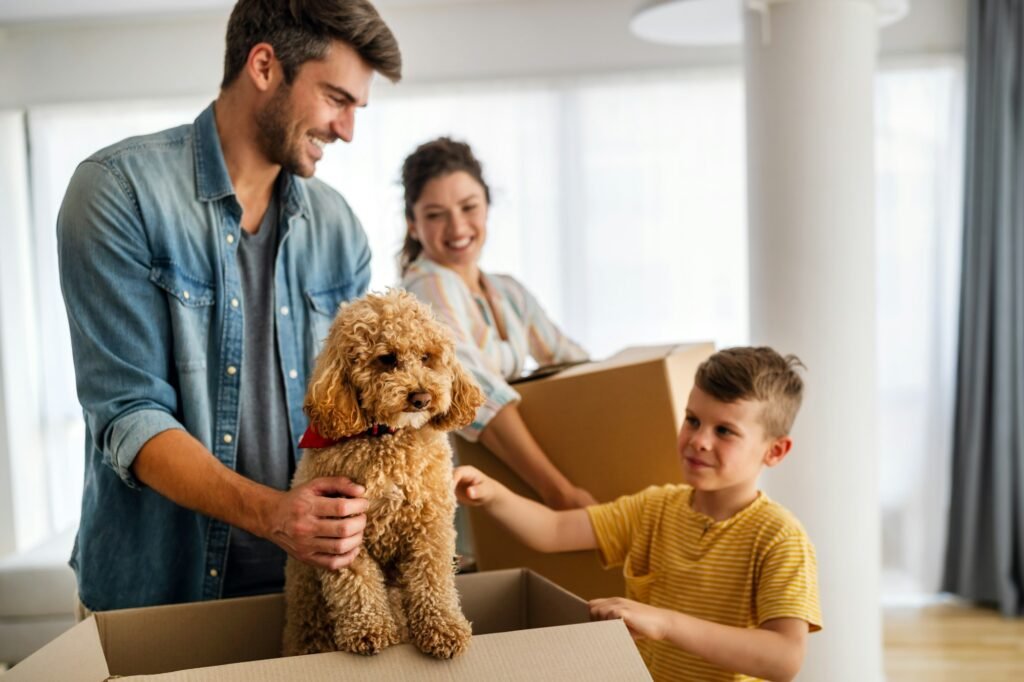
<point>119,322</point>
<point>129,433</point>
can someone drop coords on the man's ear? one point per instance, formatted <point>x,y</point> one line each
<point>261,67</point>
<point>777,450</point>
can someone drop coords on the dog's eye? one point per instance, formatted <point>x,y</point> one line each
<point>426,358</point>
<point>389,360</point>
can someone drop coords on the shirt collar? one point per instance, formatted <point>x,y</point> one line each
<point>212,179</point>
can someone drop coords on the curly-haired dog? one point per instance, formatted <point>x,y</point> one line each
<point>385,388</point>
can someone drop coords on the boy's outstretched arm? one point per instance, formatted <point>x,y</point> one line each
<point>774,651</point>
<point>533,524</point>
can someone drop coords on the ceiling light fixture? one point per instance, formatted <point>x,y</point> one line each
<point>718,22</point>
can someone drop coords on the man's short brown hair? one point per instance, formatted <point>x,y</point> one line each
<point>759,374</point>
<point>301,30</point>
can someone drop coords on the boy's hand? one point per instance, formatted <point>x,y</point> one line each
<point>472,486</point>
<point>643,621</point>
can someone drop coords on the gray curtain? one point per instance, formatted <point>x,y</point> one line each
<point>985,553</point>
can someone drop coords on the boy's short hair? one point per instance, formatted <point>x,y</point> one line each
<point>760,374</point>
<point>301,30</point>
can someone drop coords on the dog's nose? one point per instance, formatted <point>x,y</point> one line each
<point>419,400</point>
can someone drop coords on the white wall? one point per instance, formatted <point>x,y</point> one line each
<point>54,62</point>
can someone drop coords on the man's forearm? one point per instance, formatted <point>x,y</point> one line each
<point>177,466</point>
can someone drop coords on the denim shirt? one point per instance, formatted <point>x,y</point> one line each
<point>147,235</point>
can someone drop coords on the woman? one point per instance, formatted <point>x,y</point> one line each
<point>497,322</point>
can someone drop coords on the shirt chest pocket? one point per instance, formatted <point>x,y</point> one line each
<point>190,302</point>
<point>640,579</point>
<point>323,304</point>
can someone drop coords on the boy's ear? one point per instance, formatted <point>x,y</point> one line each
<point>778,450</point>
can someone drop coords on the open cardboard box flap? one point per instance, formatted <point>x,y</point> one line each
<point>524,626</point>
<point>633,355</point>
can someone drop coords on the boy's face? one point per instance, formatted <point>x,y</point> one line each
<point>724,445</point>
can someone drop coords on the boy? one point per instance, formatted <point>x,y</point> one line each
<point>722,581</point>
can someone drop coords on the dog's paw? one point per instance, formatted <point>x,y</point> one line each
<point>442,637</point>
<point>366,641</point>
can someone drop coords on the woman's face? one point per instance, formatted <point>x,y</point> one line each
<point>450,220</point>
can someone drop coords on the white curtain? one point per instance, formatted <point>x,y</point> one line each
<point>621,202</point>
<point>919,158</point>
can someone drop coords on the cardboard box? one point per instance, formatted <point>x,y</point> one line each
<point>524,628</point>
<point>611,427</point>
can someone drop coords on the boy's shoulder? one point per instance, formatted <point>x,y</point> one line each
<point>654,500</point>
<point>666,493</point>
<point>774,520</point>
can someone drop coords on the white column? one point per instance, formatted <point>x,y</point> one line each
<point>810,68</point>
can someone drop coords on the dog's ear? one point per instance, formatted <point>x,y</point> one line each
<point>466,399</point>
<point>332,403</point>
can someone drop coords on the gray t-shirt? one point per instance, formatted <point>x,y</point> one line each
<point>255,565</point>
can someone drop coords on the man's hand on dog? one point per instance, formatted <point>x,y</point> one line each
<point>321,522</point>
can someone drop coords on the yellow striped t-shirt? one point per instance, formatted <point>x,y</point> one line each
<point>757,565</point>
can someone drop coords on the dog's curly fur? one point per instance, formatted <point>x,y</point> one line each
<point>384,354</point>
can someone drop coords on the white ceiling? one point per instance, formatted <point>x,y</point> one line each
<point>22,11</point>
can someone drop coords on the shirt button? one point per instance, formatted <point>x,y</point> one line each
<point>232,370</point>
<point>227,438</point>
<point>185,295</point>
<point>284,310</point>
<point>231,239</point>
<point>213,572</point>
<point>293,374</point>
<point>234,303</point>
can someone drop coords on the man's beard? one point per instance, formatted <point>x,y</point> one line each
<point>272,129</point>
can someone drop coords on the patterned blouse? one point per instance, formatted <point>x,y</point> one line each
<point>491,359</point>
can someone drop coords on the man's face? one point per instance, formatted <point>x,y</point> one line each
<point>316,109</point>
<point>723,445</point>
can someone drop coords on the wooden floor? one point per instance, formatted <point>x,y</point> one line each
<point>952,642</point>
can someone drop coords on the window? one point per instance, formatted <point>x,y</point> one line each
<point>593,205</point>
<point>919,141</point>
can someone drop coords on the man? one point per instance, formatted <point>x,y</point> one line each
<point>201,267</point>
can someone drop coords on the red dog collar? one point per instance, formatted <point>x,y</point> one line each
<point>312,439</point>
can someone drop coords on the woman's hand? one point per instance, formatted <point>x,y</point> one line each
<point>644,621</point>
